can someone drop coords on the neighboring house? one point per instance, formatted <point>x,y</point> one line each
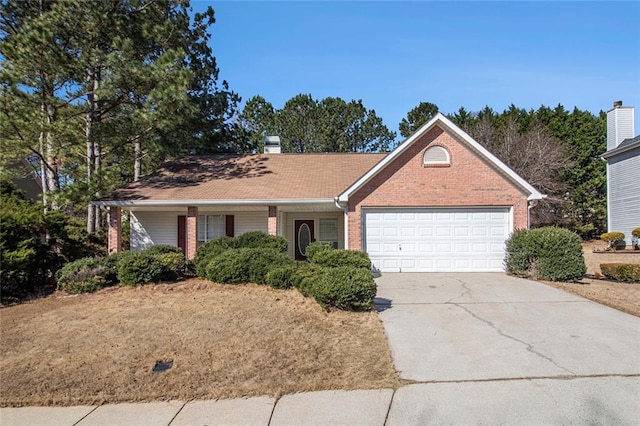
<point>623,170</point>
<point>438,202</point>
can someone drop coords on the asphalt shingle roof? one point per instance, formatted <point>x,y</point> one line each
<point>250,177</point>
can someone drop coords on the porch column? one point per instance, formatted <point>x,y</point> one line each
<point>272,224</point>
<point>115,230</point>
<point>192,232</point>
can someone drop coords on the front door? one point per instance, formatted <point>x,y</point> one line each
<point>304,236</point>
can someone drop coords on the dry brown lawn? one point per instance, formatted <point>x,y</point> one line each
<point>622,296</point>
<point>225,342</point>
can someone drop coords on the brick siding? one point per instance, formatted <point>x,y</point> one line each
<point>406,182</point>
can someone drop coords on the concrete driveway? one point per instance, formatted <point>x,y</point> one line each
<point>489,340</point>
<point>445,327</point>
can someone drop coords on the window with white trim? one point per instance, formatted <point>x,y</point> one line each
<point>210,227</point>
<point>436,156</point>
<point>329,231</point>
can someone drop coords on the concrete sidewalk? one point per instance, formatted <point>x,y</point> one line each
<point>522,402</point>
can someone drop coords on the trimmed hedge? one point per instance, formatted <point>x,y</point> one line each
<point>255,239</point>
<point>615,240</point>
<point>316,247</point>
<point>627,272</point>
<point>245,265</point>
<point>160,249</point>
<point>282,276</point>
<point>549,253</point>
<point>141,268</point>
<point>338,258</point>
<point>84,275</point>
<point>346,288</point>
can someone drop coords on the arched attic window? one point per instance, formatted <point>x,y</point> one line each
<point>436,156</point>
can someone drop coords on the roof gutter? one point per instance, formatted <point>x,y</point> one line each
<point>184,203</point>
<point>619,150</point>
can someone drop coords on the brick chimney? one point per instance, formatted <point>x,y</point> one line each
<point>620,124</point>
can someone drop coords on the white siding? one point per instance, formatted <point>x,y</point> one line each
<point>624,192</point>
<point>620,126</point>
<point>249,221</point>
<point>151,228</point>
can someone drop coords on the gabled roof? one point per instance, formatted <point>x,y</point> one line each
<point>625,145</point>
<point>244,179</point>
<point>447,125</point>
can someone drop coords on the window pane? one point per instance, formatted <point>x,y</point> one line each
<point>201,228</point>
<point>217,226</point>
<point>304,238</point>
<point>329,230</point>
<point>209,227</point>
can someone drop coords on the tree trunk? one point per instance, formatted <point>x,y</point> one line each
<point>93,149</point>
<point>137,165</point>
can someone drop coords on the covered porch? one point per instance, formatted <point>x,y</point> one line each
<point>189,225</point>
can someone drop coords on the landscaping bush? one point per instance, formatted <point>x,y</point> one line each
<point>627,272</point>
<point>245,265</point>
<point>84,275</point>
<point>163,249</point>
<point>111,265</point>
<point>208,251</point>
<point>173,263</point>
<point>636,238</point>
<point>613,238</point>
<point>549,253</point>
<point>337,258</point>
<point>345,288</point>
<point>258,239</point>
<point>306,276</point>
<point>316,247</point>
<point>141,268</point>
<point>254,240</point>
<point>282,276</point>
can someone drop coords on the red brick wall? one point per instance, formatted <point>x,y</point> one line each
<point>406,182</point>
<point>192,232</point>
<point>115,230</point>
<point>272,221</point>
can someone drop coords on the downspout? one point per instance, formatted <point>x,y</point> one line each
<point>345,210</point>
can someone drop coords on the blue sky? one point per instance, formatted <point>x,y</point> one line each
<point>393,55</point>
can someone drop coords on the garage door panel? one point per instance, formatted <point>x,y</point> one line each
<point>436,239</point>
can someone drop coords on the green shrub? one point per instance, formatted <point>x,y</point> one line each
<point>345,288</point>
<point>636,235</point>
<point>208,251</point>
<point>163,249</point>
<point>316,247</point>
<point>627,272</point>
<point>518,253</point>
<point>84,275</point>
<point>282,276</point>
<point>613,238</point>
<point>173,263</point>
<point>337,258</point>
<point>245,265</point>
<point>258,239</point>
<point>254,240</point>
<point>141,268</point>
<point>550,253</point>
<point>306,276</point>
<point>111,265</point>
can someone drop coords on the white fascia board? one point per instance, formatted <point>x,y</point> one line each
<point>445,124</point>
<point>184,203</point>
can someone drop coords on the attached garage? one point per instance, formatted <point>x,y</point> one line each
<point>437,239</point>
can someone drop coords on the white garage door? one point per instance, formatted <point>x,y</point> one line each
<point>436,239</point>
